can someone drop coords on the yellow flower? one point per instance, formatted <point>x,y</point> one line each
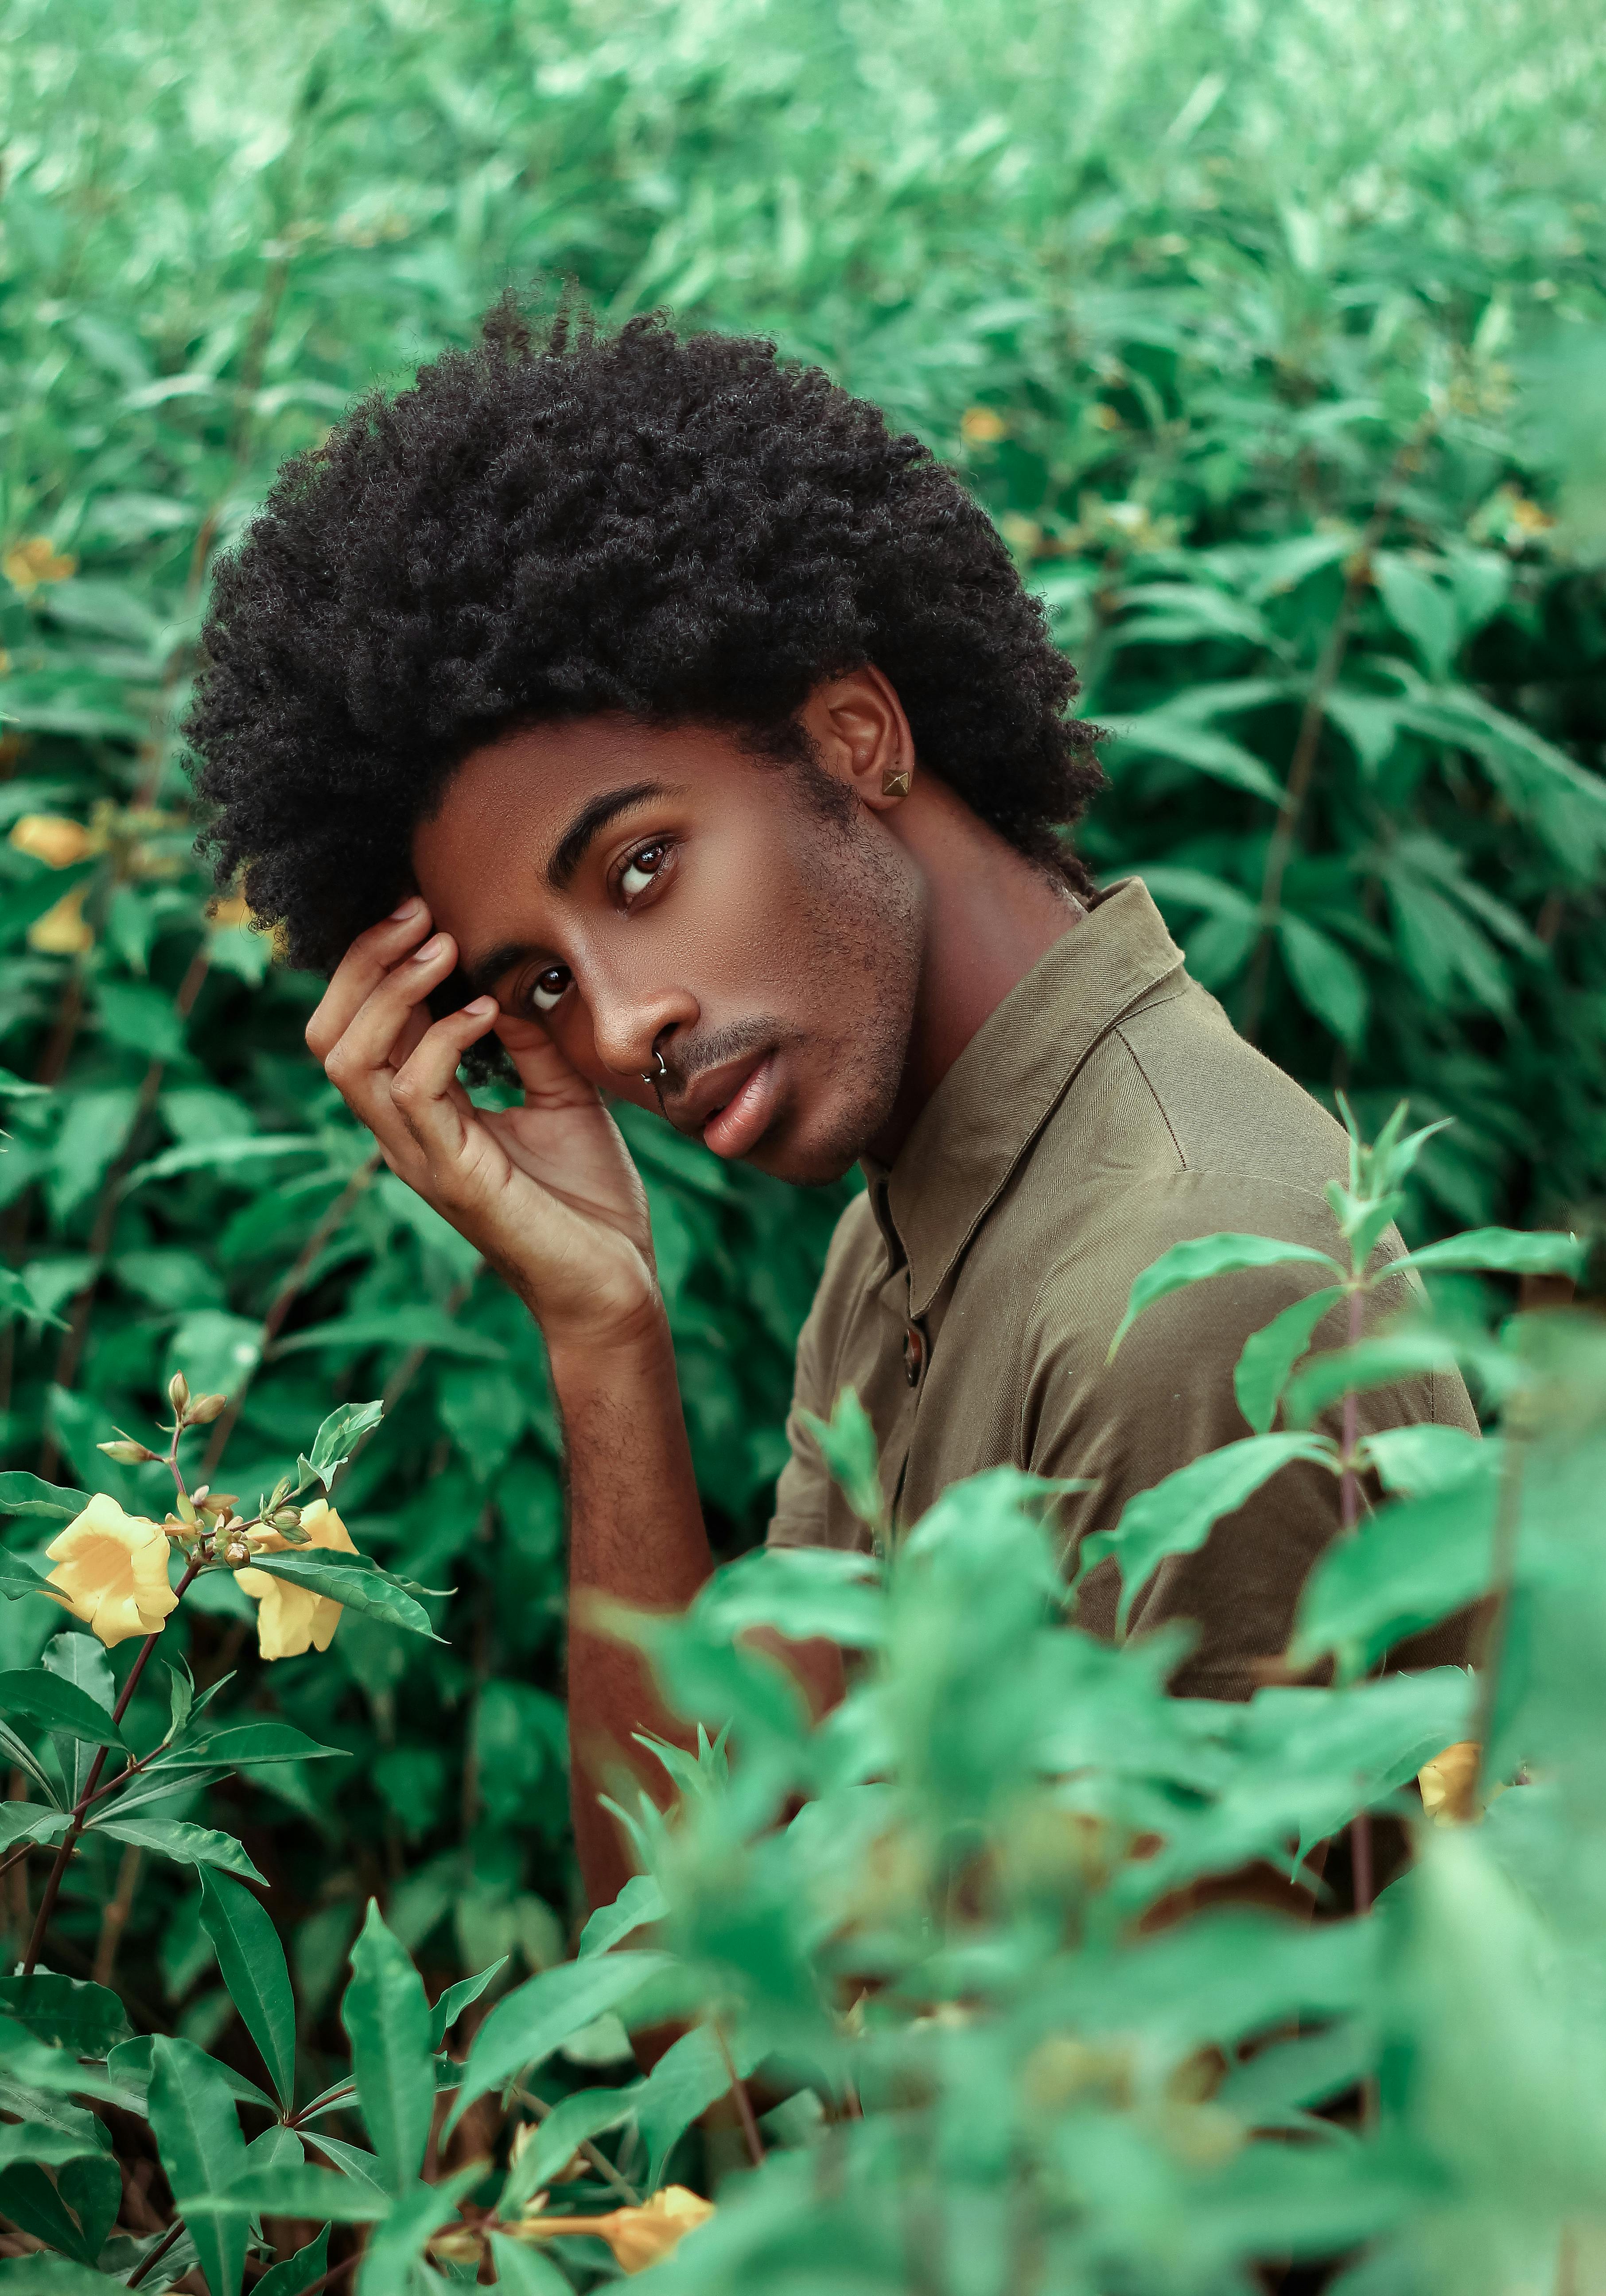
<point>982,426</point>
<point>63,931</point>
<point>112,1572</point>
<point>638,2237</point>
<point>28,563</point>
<point>291,1619</point>
<point>1448,1783</point>
<point>52,837</point>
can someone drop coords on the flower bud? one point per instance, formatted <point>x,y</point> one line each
<point>215,1502</point>
<point>127,1453</point>
<point>187,1509</point>
<point>205,1408</point>
<point>178,1391</point>
<point>286,1518</point>
<point>236,1552</point>
<point>281,1492</point>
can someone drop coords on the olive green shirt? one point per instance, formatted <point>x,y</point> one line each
<point>1103,1111</point>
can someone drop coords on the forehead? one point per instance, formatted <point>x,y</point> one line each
<point>512,803</point>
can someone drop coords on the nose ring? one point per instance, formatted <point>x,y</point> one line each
<point>655,1075</point>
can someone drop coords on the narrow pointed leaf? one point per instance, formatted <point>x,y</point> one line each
<point>1504,1252</point>
<point>189,1845</point>
<point>387,2016</point>
<point>292,2191</point>
<point>1269,1355</point>
<point>641,1901</point>
<point>356,1580</point>
<point>522,2270</point>
<point>254,1970</point>
<point>28,1495</point>
<point>456,1998</point>
<point>541,2015</point>
<point>339,1437</point>
<point>297,2274</point>
<point>1178,1516</point>
<point>197,2131</point>
<point>30,1694</point>
<point>1204,1256</point>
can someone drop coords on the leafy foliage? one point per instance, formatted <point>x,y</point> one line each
<point>1272,344</point>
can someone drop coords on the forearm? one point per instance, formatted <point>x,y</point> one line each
<point>636,1536</point>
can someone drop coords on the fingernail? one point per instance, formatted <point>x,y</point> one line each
<point>480,1004</point>
<point>432,947</point>
<point>409,908</point>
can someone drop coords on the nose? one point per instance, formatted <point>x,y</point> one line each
<point>633,1023</point>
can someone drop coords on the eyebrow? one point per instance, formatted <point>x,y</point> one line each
<point>567,855</point>
<point>595,815</point>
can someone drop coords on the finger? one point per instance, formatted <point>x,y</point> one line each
<point>360,972</point>
<point>546,1074</point>
<point>425,1091</point>
<point>367,1049</point>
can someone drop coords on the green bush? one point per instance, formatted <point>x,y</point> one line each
<point>996,2044</point>
<point>1272,341</point>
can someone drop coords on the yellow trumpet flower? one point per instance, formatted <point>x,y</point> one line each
<point>638,2237</point>
<point>112,1572</point>
<point>63,931</point>
<point>291,1619</point>
<point>52,837</point>
<point>28,564</point>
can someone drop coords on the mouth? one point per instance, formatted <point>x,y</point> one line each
<point>733,1108</point>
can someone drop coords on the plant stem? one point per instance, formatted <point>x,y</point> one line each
<point>1307,741</point>
<point>157,2253</point>
<point>744,2103</point>
<point>70,1839</point>
<point>1507,1517</point>
<point>1349,1486</point>
<point>120,1905</point>
<point>590,2152</point>
<point>283,1299</point>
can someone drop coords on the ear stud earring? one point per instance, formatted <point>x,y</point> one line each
<point>895,785</point>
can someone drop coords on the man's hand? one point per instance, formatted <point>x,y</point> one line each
<point>546,1192</point>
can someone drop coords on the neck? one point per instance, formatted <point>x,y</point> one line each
<point>990,915</point>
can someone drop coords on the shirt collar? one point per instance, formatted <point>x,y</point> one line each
<point>989,1109</point>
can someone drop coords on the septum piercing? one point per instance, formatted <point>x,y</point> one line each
<point>655,1075</point>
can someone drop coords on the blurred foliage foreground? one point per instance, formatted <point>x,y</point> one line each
<point>1271,338</point>
<point>941,1954</point>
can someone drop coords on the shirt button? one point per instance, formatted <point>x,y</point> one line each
<point>914,1353</point>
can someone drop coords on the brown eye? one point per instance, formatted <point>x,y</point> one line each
<point>642,867</point>
<point>546,989</point>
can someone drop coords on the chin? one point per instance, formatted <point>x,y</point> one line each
<point>818,1154</point>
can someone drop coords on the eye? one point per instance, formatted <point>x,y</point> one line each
<point>646,863</point>
<point>546,989</point>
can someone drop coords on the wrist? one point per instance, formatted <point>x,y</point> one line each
<point>610,1352</point>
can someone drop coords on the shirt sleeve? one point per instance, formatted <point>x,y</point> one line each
<point>1167,1398</point>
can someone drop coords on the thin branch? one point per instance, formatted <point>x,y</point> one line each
<point>591,2152</point>
<point>744,2103</point>
<point>1307,741</point>
<point>70,1838</point>
<point>283,1299</point>
<point>157,2253</point>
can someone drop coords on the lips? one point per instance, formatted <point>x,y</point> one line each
<point>732,1107</point>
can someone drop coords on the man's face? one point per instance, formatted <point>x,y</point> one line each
<point>638,892</point>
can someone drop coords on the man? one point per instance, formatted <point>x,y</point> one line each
<point>694,739</point>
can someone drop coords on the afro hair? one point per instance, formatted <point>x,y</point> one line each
<point>685,529</point>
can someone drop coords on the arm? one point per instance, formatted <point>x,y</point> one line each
<point>548,1194</point>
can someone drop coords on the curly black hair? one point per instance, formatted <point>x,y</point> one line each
<point>682,529</point>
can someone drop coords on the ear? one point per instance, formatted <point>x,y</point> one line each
<point>862,736</point>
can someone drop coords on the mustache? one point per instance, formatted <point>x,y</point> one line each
<point>686,1062</point>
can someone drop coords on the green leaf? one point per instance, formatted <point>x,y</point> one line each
<point>1405,1568</point>
<point>53,2276</point>
<point>190,1845</point>
<point>393,2251</point>
<point>339,1437</point>
<point>456,1998</point>
<point>197,2131</point>
<point>686,2080</point>
<point>1202,1256</point>
<point>254,1970</point>
<point>239,1745</point>
<point>18,1577</point>
<point>297,2274</point>
<point>800,1591</point>
<point>41,2206</point>
<point>1269,1355</point>
<point>641,1901</point>
<point>46,2147</point>
<point>1424,1458</point>
<point>541,2015</point>
<point>387,2016</point>
<point>30,1694</point>
<point>130,2064</point>
<point>25,1820</point>
<point>89,2020</point>
<point>1504,1252</point>
<point>92,2189</point>
<point>1163,733</point>
<point>356,1580</point>
<point>293,2192</point>
<point>26,1495</point>
<point>1327,980</point>
<point>847,1444</point>
<point>1176,1516</point>
<point>524,2271</point>
<point>570,2124</point>
<point>228,1156</point>
<point>397,1327</point>
<point>1382,1361</point>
